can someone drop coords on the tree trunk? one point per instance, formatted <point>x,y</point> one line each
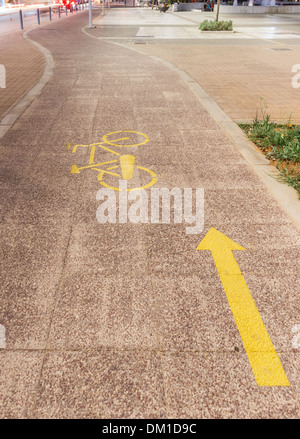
<point>218,7</point>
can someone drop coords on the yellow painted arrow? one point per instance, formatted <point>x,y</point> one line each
<point>263,358</point>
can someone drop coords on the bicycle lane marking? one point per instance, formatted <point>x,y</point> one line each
<point>126,162</point>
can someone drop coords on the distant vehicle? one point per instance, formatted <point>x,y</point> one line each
<point>67,3</point>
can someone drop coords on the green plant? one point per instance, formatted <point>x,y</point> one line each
<point>288,151</point>
<point>210,25</point>
<point>292,178</point>
<point>280,143</point>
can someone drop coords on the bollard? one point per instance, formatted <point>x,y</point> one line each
<point>90,14</point>
<point>21,18</point>
<point>38,16</point>
<point>50,13</point>
<point>66,10</point>
<point>58,11</point>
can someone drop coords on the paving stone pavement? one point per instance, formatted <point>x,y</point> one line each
<point>24,65</point>
<point>254,82</point>
<point>247,73</point>
<point>129,320</point>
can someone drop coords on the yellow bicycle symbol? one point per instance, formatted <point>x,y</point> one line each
<point>121,168</point>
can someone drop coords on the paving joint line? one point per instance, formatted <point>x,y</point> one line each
<point>159,352</point>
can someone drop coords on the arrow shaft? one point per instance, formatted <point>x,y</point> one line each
<point>225,262</point>
<point>263,358</point>
<point>265,363</point>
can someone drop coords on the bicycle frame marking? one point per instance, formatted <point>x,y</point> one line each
<point>112,143</point>
<point>126,161</point>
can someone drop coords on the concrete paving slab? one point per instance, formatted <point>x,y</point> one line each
<point>19,377</point>
<point>231,204</point>
<point>187,313</point>
<point>187,395</point>
<point>95,311</point>
<point>105,384</point>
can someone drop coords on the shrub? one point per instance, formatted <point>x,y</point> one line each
<point>281,144</point>
<point>216,25</point>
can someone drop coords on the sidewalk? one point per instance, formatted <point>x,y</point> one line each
<point>254,78</point>
<point>24,66</point>
<point>236,70</point>
<point>125,320</point>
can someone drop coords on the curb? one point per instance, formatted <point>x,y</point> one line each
<point>285,195</point>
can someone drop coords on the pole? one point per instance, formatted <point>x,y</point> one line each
<point>90,14</point>
<point>50,13</point>
<point>218,8</point>
<point>38,16</point>
<point>21,19</point>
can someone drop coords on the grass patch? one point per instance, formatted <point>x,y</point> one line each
<point>210,25</point>
<point>281,145</point>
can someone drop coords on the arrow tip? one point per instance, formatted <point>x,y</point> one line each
<point>215,240</point>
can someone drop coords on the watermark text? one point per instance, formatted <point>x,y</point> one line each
<point>2,76</point>
<point>153,206</point>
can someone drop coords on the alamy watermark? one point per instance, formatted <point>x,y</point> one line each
<point>2,76</point>
<point>2,337</point>
<point>296,78</point>
<point>296,338</point>
<point>137,206</point>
